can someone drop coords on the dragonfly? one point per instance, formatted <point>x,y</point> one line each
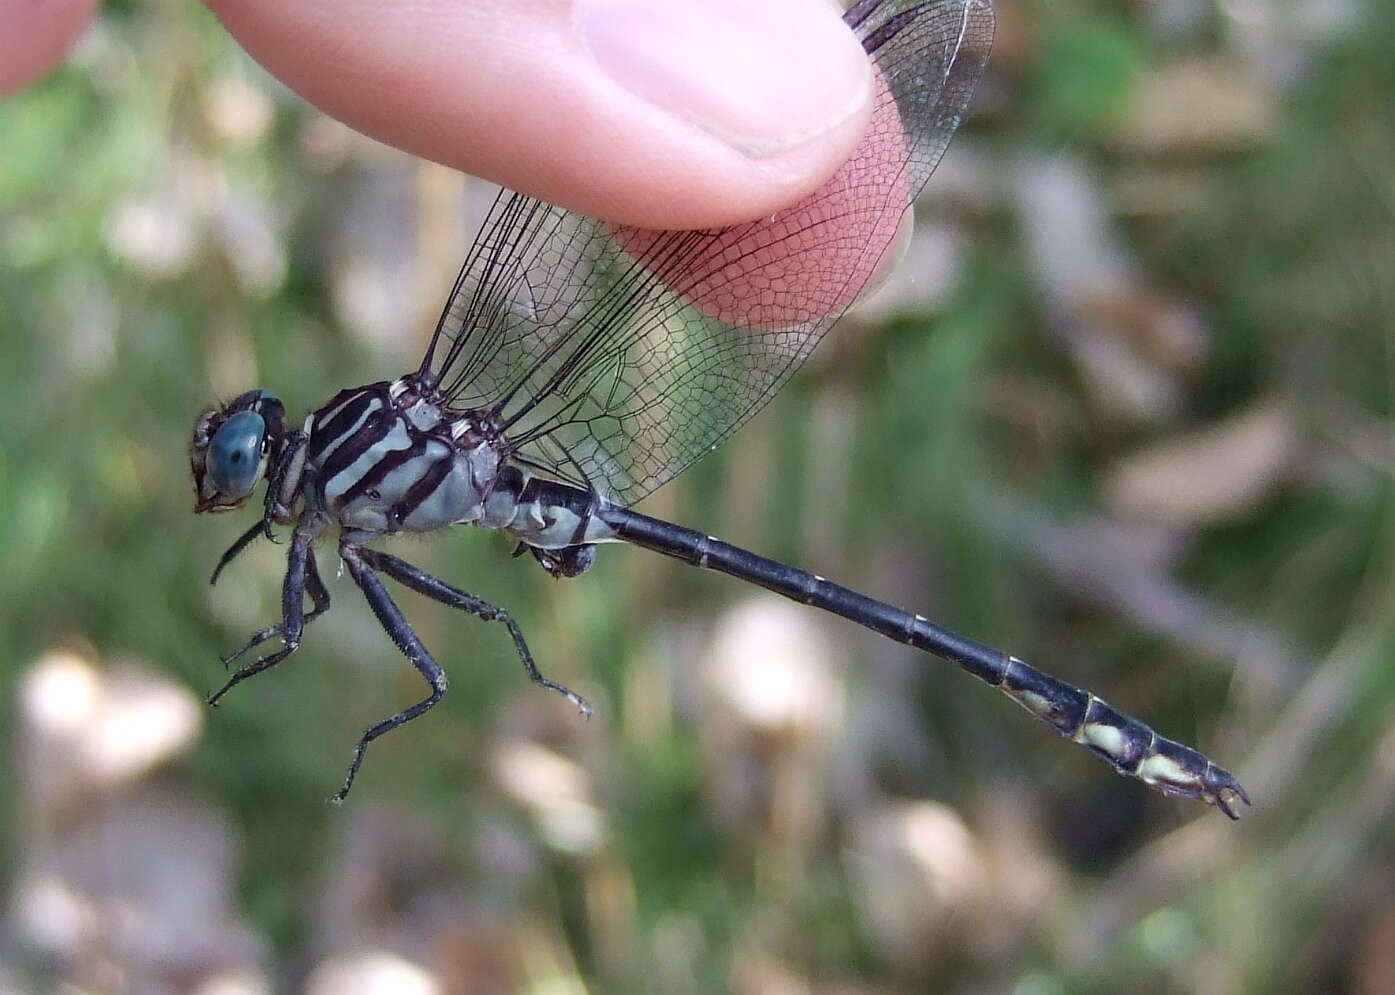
<point>577,366</point>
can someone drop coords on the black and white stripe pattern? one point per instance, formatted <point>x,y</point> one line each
<point>374,467</point>
<point>351,426</point>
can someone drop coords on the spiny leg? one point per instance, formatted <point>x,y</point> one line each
<point>289,466</point>
<point>319,598</point>
<point>400,630</point>
<point>291,455</point>
<point>233,551</point>
<point>299,561</point>
<point>438,590</point>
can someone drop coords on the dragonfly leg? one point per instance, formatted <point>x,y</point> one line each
<point>289,461</point>
<point>361,568</point>
<point>235,550</point>
<point>438,590</point>
<point>301,573</point>
<point>319,600</point>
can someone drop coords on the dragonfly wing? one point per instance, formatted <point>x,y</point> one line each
<point>617,356</point>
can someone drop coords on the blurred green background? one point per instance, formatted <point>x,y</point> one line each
<point>1125,411</point>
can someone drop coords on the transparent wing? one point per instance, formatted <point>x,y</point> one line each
<point>615,357</point>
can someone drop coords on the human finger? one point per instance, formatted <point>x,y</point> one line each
<point>661,113</point>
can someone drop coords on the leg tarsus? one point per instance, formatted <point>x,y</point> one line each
<point>319,599</point>
<point>301,572</point>
<point>534,674</point>
<point>401,632</point>
<point>252,669</point>
<point>438,691</point>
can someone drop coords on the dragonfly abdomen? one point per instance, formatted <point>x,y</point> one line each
<point>1129,746</point>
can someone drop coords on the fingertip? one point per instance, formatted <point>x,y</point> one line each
<point>35,37</point>
<point>677,181</point>
<point>661,113</point>
<point>763,78</point>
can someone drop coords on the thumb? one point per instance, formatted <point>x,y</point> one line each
<point>660,113</point>
<point>34,37</point>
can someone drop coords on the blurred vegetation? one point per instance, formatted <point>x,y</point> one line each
<point>1132,423</point>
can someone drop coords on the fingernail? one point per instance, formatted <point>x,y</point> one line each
<point>763,76</point>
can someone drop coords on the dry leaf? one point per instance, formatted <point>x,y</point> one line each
<point>1211,474</point>
<point>1199,105</point>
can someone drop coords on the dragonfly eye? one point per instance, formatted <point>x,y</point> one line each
<point>235,454</point>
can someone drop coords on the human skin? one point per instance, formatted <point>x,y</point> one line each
<point>657,113</point>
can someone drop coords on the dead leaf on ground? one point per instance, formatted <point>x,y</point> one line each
<point>1210,474</point>
<point>1199,105</point>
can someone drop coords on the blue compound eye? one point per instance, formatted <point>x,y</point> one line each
<point>235,454</point>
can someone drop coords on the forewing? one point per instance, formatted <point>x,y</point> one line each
<point>616,357</point>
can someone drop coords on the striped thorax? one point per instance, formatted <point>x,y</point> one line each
<point>384,459</point>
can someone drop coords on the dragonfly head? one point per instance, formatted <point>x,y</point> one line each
<point>229,451</point>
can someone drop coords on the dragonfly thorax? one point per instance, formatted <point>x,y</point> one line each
<point>389,457</point>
